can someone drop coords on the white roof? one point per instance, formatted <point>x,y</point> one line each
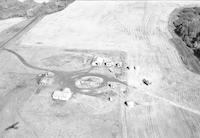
<point>21,0</point>
<point>63,95</point>
<point>98,60</point>
<point>41,1</point>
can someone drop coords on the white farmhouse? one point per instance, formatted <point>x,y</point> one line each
<point>97,61</point>
<point>63,95</point>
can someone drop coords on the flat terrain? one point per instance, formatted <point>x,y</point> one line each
<point>134,33</point>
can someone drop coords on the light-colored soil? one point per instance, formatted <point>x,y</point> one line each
<point>8,23</point>
<point>168,107</point>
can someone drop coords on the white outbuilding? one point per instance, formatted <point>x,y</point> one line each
<point>97,61</point>
<point>63,95</point>
<point>108,62</point>
<point>22,0</point>
<point>129,104</point>
<point>118,64</point>
<point>41,1</point>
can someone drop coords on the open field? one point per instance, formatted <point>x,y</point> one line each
<point>65,43</point>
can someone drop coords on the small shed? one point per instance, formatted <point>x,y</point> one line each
<point>118,64</point>
<point>108,62</point>
<point>63,95</point>
<point>97,61</point>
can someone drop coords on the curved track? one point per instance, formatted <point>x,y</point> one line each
<point>68,78</point>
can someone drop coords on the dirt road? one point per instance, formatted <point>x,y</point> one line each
<point>13,33</point>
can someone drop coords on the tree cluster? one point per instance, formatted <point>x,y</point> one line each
<point>187,26</point>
